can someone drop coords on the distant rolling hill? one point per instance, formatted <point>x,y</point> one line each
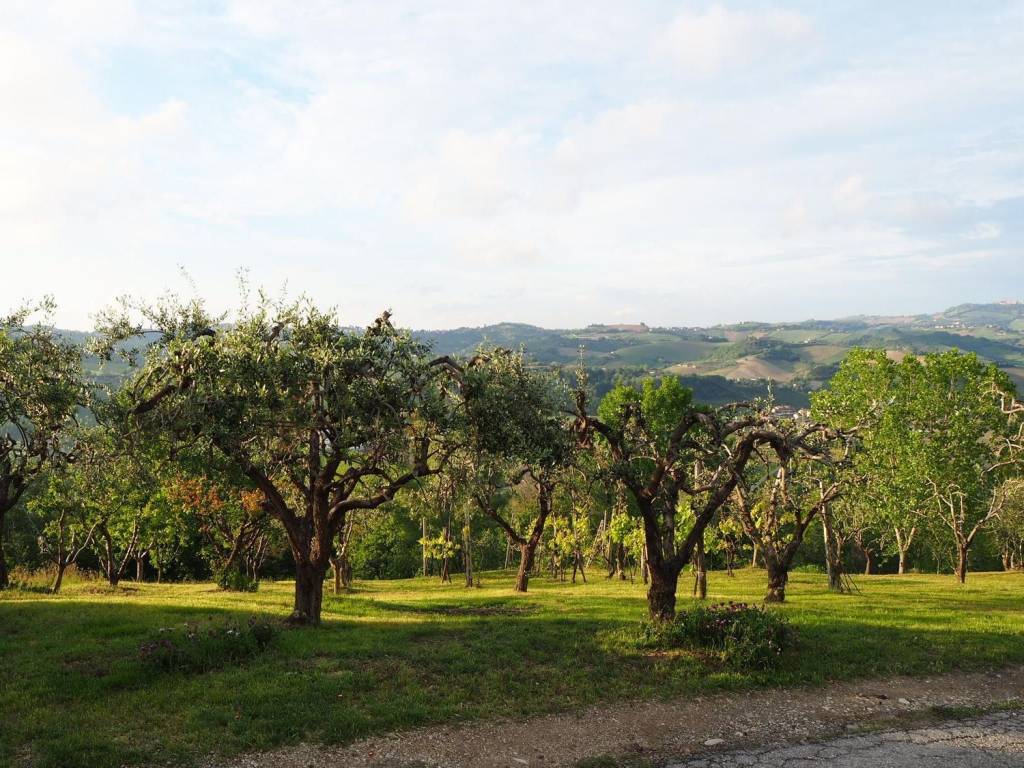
<point>733,362</point>
<point>728,362</point>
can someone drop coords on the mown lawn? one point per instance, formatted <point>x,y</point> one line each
<point>73,691</point>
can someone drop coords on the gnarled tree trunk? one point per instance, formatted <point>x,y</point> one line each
<point>961,562</point>
<point>903,542</point>
<point>426,558</point>
<point>833,553</point>
<point>700,574</point>
<point>339,563</point>
<point>528,548</point>
<point>778,576</point>
<point>311,550</point>
<point>309,592</point>
<point>58,579</point>
<point>664,564</point>
<point>5,578</point>
<point>661,594</point>
<point>525,567</point>
<point>467,553</point>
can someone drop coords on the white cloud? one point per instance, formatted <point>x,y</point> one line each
<point>485,161</point>
<point>720,39</point>
<point>850,196</point>
<point>474,175</point>
<point>985,230</point>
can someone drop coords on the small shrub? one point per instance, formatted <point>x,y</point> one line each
<point>233,580</point>
<point>745,636</point>
<point>808,568</point>
<point>193,649</point>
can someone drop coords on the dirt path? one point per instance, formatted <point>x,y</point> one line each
<point>662,731</point>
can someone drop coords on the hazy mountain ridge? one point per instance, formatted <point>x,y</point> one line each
<point>800,356</point>
<point>740,360</point>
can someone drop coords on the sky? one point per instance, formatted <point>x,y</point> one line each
<point>557,163</point>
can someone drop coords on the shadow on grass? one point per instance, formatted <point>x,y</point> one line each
<point>487,607</point>
<point>74,693</point>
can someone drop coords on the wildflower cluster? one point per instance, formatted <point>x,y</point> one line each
<point>194,649</point>
<point>746,636</point>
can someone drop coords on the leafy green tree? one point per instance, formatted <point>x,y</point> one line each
<point>41,392</point>
<point>586,504</point>
<point>626,534</point>
<point>231,519</point>
<point>719,538</point>
<point>168,532</point>
<point>385,544</point>
<point>954,404</point>
<point>850,518</point>
<point>1009,524</point>
<point>938,436</point>
<point>325,422</point>
<point>777,499</point>
<point>867,396</point>
<point>117,487</point>
<point>727,538</point>
<point>444,498</point>
<point>341,560</point>
<point>62,516</point>
<point>106,492</point>
<point>571,532</point>
<point>663,446</point>
<point>519,433</point>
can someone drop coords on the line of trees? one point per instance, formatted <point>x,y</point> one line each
<point>283,440</point>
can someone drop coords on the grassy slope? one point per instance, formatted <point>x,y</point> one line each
<point>399,654</point>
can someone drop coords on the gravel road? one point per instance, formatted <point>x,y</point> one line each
<point>992,741</point>
<point>749,723</point>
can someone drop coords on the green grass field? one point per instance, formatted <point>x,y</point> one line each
<point>390,655</point>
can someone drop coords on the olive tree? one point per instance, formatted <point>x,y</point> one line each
<point>521,432</point>
<point>324,421</point>
<point>41,391</point>
<point>663,446</point>
<point>777,499</point>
